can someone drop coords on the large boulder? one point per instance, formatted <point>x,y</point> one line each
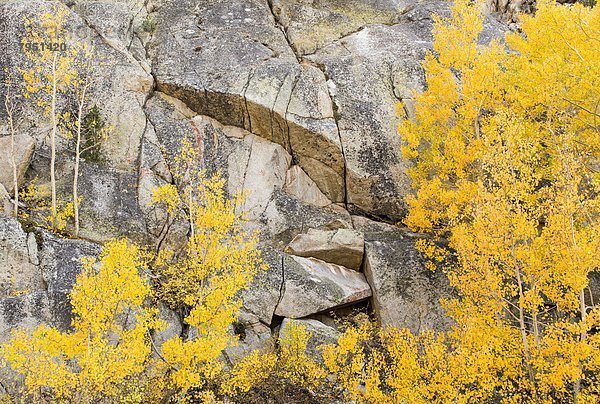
<point>369,72</point>
<point>310,25</point>
<point>19,273</point>
<point>228,60</point>
<point>405,292</point>
<point>286,217</point>
<point>313,286</point>
<point>343,247</point>
<point>20,148</point>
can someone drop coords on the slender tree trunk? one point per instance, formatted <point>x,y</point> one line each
<point>10,114</point>
<point>53,143</point>
<point>77,158</point>
<point>583,337</point>
<point>15,177</point>
<point>536,330</point>
<point>523,329</point>
<point>190,204</point>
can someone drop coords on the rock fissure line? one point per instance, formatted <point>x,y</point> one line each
<point>283,30</point>
<point>272,113</point>
<point>282,286</point>
<point>131,29</point>
<point>247,164</point>
<point>336,119</point>
<point>106,41</point>
<point>287,122</point>
<point>247,112</point>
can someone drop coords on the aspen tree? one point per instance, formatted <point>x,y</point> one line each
<point>10,107</point>
<point>506,146</point>
<point>203,281</point>
<point>81,89</point>
<point>49,74</point>
<point>109,346</point>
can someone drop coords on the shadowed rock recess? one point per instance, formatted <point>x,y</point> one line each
<point>293,101</point>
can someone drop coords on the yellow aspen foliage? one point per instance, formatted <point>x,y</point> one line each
<point>506,146</point>
<point>204,280</point>
<point>506,149</point>
<point>109,347</point>
<point>289,365</point>
<point>57,66</point>
<point>294,363</point>
<point>252,370</point>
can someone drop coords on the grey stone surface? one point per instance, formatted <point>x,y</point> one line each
<point>109,207</point>
<point>343,247</point>
<point>368,73</point>
<point>24,146</point>
<point>24,312</point>
<point>42,277</point>
<point>299,185</point>
<point>6,206</point>
<point>60,260</point>
<point>253,81</point>
<point>262,295</point>
<point>173,327</point>
<point>405,293</point>
<point>310,25</point>
<point>18,272</point>
<point>252,334</point>
<point>313,286</point>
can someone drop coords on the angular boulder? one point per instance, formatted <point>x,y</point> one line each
<point>19,273</point>
<point>405,293</point>
<point>24,145</point>
<point>310,25</point>
<point>229,60</point>
<point>343,247</point>
<point>312,286</point>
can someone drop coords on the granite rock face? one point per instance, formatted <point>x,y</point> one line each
<point>253,81</point>
<point>312,286</point>
<point>291,101</point>
<point>344,247</point>
<point>405,293</point>
<point>20,149</point>
<point>38,271</point>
